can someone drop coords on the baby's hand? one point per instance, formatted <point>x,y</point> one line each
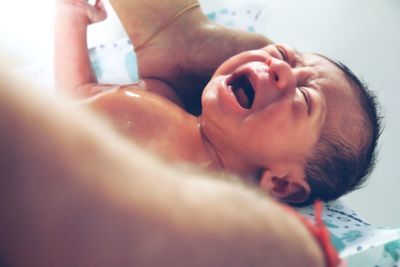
<point>93,13</point>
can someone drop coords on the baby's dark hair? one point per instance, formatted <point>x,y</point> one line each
<point>336,167</point>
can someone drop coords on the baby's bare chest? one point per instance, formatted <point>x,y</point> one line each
<point>146,118</point>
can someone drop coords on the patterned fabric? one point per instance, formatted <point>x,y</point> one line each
<point>321,234</point>
<point>357,241</point>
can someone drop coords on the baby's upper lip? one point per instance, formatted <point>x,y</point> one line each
<point>254,80</point>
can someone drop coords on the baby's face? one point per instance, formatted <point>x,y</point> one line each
<point>264,110</point>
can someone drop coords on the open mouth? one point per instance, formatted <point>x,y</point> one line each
<point>243,90</point>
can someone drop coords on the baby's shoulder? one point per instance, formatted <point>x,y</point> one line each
<point>147,99</point>
<point>157,87</point>
<point>147,88</point>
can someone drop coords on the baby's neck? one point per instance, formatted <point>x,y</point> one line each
<point>190,145</point>
<point>215,162</point>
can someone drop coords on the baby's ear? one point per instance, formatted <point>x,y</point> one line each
<point>290,189</point>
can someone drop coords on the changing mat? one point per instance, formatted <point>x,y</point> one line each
<point>358,242</point>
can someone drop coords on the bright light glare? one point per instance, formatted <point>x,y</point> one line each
<point>26,28</point>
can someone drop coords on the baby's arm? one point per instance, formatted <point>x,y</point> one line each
<point>73,71</point>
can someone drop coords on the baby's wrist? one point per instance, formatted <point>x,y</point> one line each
<point>75,12</point>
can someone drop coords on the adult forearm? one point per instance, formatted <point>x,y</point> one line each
<point>141,18</point>
<point>73,193</point>
<point>187,52</point>
<point>68,192</point>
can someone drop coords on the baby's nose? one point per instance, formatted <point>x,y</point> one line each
<point>281,75</point>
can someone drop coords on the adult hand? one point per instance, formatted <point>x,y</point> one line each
<point>187,53</point>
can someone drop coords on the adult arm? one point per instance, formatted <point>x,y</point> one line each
<point>186,53</point>
<point>73,193</point>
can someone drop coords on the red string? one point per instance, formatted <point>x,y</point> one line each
<point>321,234</point>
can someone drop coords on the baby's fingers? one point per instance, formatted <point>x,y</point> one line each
<point>100,5</point>
<point>98,12</point>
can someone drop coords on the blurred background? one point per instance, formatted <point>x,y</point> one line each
<point>364,34</point>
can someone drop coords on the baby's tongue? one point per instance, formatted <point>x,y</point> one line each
<point>242,98</point>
